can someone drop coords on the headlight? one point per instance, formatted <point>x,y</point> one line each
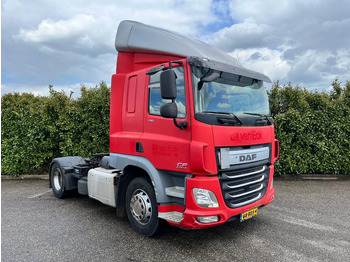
<point>204,197</point>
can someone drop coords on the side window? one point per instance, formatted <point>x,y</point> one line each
<point>155,100</point>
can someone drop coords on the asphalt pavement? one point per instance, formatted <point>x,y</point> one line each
<point>308,221</point>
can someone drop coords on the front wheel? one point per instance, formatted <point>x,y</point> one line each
<point>142,208</point>
<point>57,181</point>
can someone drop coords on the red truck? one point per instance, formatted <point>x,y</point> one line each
<point>191,137</point>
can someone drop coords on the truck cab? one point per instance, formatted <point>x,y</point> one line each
<point>191,137</point>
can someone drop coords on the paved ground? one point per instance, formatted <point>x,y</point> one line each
<point>309,221</point>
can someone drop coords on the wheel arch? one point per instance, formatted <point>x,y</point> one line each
<point>134,164</point>
<point>130,172</point>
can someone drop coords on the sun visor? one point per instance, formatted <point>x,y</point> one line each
<point>237,70</point>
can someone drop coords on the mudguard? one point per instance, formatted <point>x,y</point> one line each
<point>67,164</point>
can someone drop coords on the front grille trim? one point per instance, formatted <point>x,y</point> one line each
<point>248,183</point>
<point>247,193</point>
<point>247,174</point>
<point>247,202</point>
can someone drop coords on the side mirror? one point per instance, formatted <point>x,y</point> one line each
<point>209,77</point>
<point>212,76</point>
<point>168,84</point>
<point>168,91</point>
<point>169,110</point>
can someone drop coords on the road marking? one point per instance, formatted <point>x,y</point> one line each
<point>308,224</point>
<point>40,194</point>
<point>320,178</point>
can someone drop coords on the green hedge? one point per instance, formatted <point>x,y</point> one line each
<point>35,129</point>
<point>313,128</point>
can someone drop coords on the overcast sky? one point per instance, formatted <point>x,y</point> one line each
<point>68,42</point>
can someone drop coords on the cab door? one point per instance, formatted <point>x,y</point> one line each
<point>166,146</point>
<point>131,118</point>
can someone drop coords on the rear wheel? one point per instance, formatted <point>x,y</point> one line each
<point>142,208</point>
<point>57,181</point>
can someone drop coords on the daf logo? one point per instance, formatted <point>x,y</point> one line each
<point>246,158</point>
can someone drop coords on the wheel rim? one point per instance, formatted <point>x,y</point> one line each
<point>57,179</point>
<point>141,207</point>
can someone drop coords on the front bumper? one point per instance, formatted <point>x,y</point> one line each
<point>192,210</point>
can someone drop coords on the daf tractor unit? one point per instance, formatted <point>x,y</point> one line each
<point>191,136</point>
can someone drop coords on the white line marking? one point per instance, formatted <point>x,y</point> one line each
<point>40,194</point>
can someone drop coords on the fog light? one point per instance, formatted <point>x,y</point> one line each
<point>205,198</point>
<point>209,219</point>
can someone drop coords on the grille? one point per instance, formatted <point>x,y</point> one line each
<point>240,188</point>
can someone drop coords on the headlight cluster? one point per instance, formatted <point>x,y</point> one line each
<point>205,198</point>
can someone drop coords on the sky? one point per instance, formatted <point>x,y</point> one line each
<point>68,43</point>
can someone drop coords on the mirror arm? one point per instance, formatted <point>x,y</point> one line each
<point>182,125</point>
<point>174,62</point>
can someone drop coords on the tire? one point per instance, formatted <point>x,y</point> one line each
<point>57,181</point>
<point>142,208</point>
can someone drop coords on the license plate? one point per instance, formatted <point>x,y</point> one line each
<point>249,214</point>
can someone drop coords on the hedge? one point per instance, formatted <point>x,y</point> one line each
<point>35,129</point>
<point>313,128</point>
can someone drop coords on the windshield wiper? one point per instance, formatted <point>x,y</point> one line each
<point>216,112</point>
<point>257,114</point>
<point>231,119</point>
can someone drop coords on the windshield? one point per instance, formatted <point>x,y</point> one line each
<point>225,93</point>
